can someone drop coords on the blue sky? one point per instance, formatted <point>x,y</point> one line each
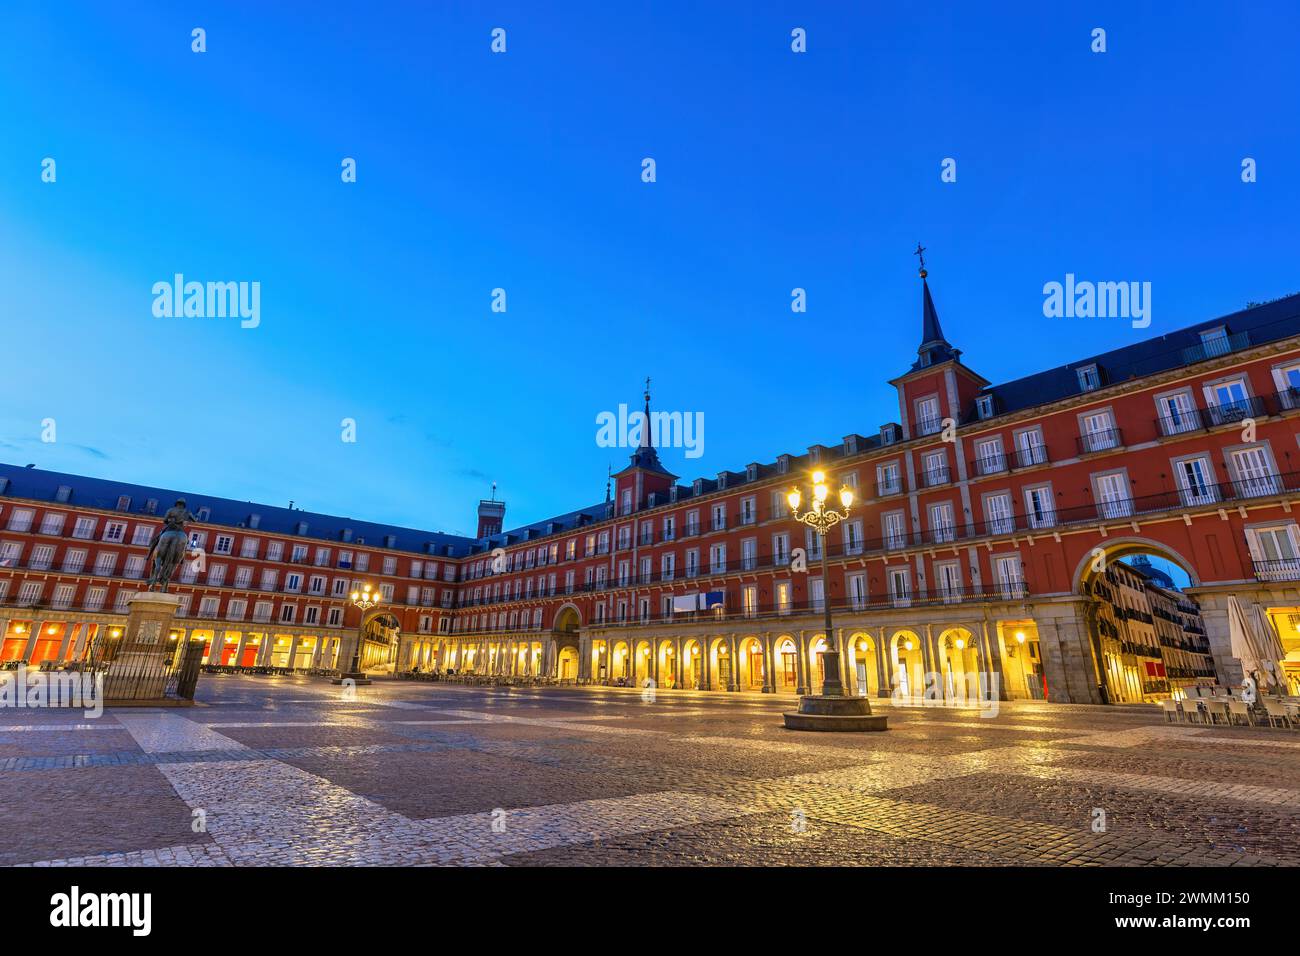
<point>522,171</point>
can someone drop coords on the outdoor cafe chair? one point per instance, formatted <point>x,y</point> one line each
<point>1239,708</point>
<point>1170,707</point>
<point>1216,710</point>
<point>1192,710</point>
<point>1277,712</point>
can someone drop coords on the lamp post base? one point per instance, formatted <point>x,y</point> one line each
<point>358,678</point>
<point>835,714</point>
<point>831,684</point>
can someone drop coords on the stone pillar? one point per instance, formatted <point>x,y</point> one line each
<point>706,668</point>
<point>79,649</point>
<point>679,665</point>
<point>883,683</point>
<point>994,661</point>
<point>139,670</point>
<point>33,635</point>
<point>769,668</point>
<point>1068,659</point>
<point>69,628</point>
<point>801,648</point>
<point>733,668</point>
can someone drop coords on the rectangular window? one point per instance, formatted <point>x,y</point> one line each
<point>1194,481</point>
<point>1113,499</point>
<point>887,479</point>
<point>900,587</point>
<point>1039,509</point>
<point>989,459</point>
<point>942,526</point>
<point>997,514</point>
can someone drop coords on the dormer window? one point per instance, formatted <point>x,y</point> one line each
<point>851,445</point>
<point>698,487</point>
<point>64,494</point>
<point>783,464</point>
<point>751,472</point>
<point>1089,378</point>
<point>888,434</point>
<point>1215,341</point>
<point>123,502</point>
<point>984,406</point>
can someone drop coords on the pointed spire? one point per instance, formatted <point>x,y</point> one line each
<point>609,471</point>
<point>645,427</point>
<point>931,332</point>
<point>934,347</point>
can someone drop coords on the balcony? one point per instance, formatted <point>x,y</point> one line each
<point>1103,440</point>
<point>1181,422</point>
<point>1230,413</point>
<point>886,488</point>
<point>938,475</point>
<point>929,426</point>
<point>990,464</point>
<point>1028,457</point>
<point>1213,348</point>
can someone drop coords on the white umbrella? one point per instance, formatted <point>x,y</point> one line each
<point>1270,644</point>
<point>1242,643</point>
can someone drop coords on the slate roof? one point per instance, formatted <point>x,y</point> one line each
<point>1254,326</point>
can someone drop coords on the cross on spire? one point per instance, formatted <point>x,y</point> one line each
<point>920,254</point>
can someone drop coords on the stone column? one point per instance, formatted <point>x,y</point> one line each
<point>33,635</point>
<point>706,669</point>
<point>995,663</point>
<point>733,677</point>
<point>679,679</point>
<point>79,649</point>
<point>69,628</point>
<point>801,648</point>
<point>769,664</point>
<point>239,648</point>
<point>883,684</point>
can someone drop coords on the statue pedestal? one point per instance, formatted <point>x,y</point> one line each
<point>139,670</point>
<point>836,714</point>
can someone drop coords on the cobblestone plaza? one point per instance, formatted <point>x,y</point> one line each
<point>288,771</point>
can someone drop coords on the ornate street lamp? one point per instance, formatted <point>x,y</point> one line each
<point>830,710</point>
<point>821,518</point>
<point>364,600</point>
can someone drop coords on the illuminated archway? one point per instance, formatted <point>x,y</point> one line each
<point>907,662</point>
<point>960,664</point>
<point>750,664</point>
<point>692,664</point>
<point>785,655</point>
<point>861,648</point>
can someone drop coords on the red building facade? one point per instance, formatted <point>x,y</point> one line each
<point>982,519</point>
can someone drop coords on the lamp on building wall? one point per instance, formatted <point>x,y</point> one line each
<point>821,517</point>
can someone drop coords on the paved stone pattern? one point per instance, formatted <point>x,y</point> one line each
<point>287,771</point>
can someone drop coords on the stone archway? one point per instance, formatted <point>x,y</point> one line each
<point>561,653</point>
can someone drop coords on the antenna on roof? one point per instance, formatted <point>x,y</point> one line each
<point>494,491</point>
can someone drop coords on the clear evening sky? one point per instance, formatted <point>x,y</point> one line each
<point>523,171</point>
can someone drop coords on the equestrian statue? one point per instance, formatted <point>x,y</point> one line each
<point>168,548</point>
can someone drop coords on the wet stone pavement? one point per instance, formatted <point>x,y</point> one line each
<point>287,771</point>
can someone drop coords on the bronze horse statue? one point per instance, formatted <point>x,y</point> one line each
<point>168,547</point>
